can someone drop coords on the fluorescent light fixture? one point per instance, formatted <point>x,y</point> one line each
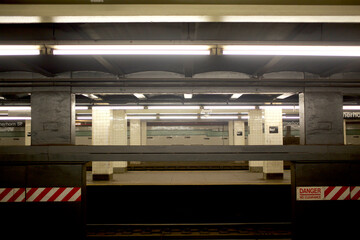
<point>244,117</point>
<point>291,117</point>
<point>236,95</point>
<point>23,108</point>
<point>229,107</point>
<point>131,50</point>
<point>351,107</point>
<point>292,50</point>
<point>188,96</point>
<point>16,50</point>
<point>139,95</point>
<point>282,107</point>
<point>173,107</point>
<point>2,98</point>
<point>81,108</point>
<point>119,107</point>
<point>219,117</point>
<point>84,118</point>
<point>285,95</point>
<point>224,113</point>
<point>178,113</point>
<point>136,114</point>
<point>141,117</point>
<point>15,118</point>
<point>178,117</point>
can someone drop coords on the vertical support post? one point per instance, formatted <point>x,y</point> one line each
<point>318,125</point>
<point>100,136</point>
<point>143,133</point>
<point>239,133</point>
<point>256,136</point>
<point>118,136</point>
<point>231,132</point>
<point>273,130</point>
<point>53,117</point>
<point>27,132</point>
<point>135,132</point>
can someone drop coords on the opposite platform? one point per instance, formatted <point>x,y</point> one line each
<point>229,177</point>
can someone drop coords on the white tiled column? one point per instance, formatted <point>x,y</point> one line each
<point>143,132</point>
<point>231,132</point>
<point>135,132</point>
<point>118,136</point>
<point>256,136</point>
<point>100,136</point>
<point>273,136</point>
<point>239,133</point>
<point>27,132</point>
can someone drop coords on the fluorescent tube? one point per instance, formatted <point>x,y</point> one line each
<point>16,50</point>
<point>84,118</point>
<point>81,108</point>
<point>119,107</point>
<point>236,95</point>
<point>229,107</point>
<point>291,117</point>
<point>174,107</point>
<point>139,95</point>
<point>351,107</point>
<point>295,50</point>
<point>131,50</point>
<point>219,117</point>
<point>282,107</point>
<point>20,108</point>
<point>285,95</point>
<point>15,118</point>
<point>141,117</point>
<point>178,117</point>
<point>188,96</point>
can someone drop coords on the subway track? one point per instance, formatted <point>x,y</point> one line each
<point>276,230</point>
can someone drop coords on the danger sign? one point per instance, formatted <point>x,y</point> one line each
<point>309,193</point>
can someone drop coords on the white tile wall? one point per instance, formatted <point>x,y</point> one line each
<point>256,135</point>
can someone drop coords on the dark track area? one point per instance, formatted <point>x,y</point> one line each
<point>188,204</point>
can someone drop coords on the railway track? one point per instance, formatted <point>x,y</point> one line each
<point>190,231</point>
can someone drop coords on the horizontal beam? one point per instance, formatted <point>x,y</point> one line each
<point>177,153</point>
<point>101,13</point>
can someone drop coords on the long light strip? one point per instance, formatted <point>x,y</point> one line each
<point>173,107</point>
<point>236,95</point>
<point>295,50</point>
<point>285,95</point>
<point>219,117</point>
<point>141,117</point>
<point>15,118</point>
<point>277,107</point>
<point>229,107</point>
<point>131,50</point>
<point>19,108</point>
<point>351,107</point>
<point>16,50</point>
<point>139,95</point>
<point>81,108</point>
<point>178,117</point>
<point>119,107</point>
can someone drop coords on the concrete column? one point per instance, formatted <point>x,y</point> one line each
<point>231,132</point>
<point>239,133</point>
<point>135,132</point>
<point>100,136</point>
<point>321,118</point>
<point>273,133</point>
<point>53,117</point>
<point>345,143</point>
<point>256,136</point>
<point>143,133</point>
<point>118,136</point>
<point>27,132</point>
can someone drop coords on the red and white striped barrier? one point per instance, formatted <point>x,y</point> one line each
<point>53,194</point>
<point>337,193</point>
<point>355,193</point>
<point>12,194</point>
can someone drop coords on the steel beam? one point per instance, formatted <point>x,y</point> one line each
<point>100,13</point>
<point>177,153</point>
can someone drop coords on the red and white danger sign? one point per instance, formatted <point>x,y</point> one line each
<point>12,194</point>
<point>355,193</point>
<point>309,193</point>
<point>53,194</point>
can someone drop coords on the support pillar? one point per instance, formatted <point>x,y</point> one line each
<point>53,117</point>
<point>231,132</point>
<point>27,132</point>
<point>143,133</point>
<point>239,133</point>
<point>118,136</point>
<point>135,132</point>
<point>321,118</point>
<point>100,136</point>
<point>256,136</point>
<point>273,133</point>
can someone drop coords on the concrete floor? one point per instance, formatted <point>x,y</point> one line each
<point>228,177</point>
